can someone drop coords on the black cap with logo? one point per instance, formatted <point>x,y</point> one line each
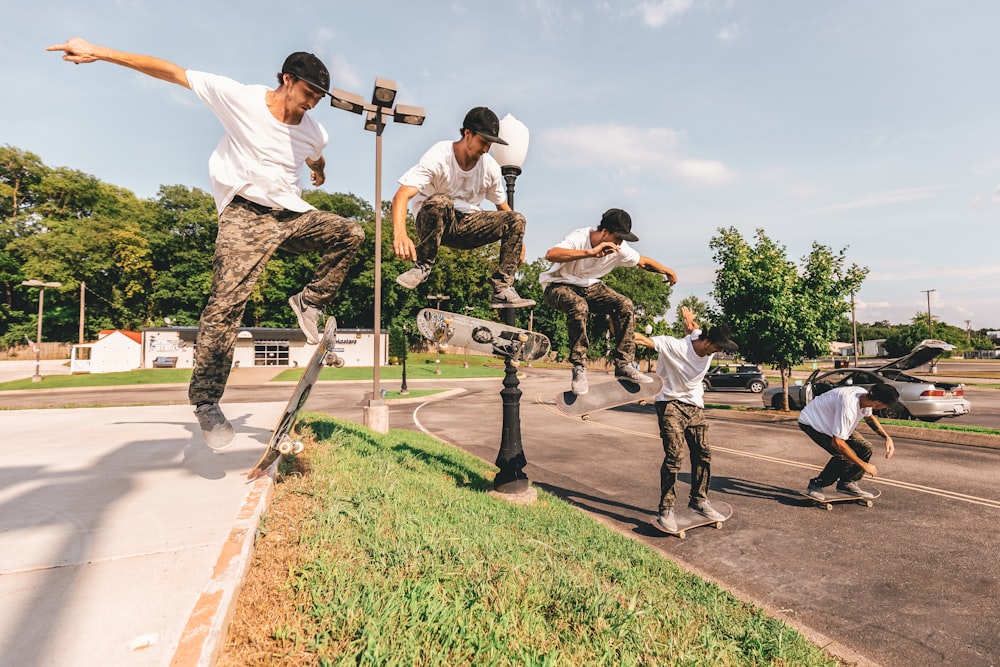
<point>619,223</point>
<point>482,121</point>
<point>309,68</point>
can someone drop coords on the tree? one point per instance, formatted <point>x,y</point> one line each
<point>778,315</point>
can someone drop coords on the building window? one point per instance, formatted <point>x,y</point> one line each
<point>270,353</point>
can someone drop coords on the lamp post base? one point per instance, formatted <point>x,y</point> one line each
<point>376,416</point>
<point>511,480</point>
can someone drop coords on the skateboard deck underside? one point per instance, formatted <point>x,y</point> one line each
<point>446,328</point>
<point>298,398</point>
<point>687,519</point>
<point>607,395</point>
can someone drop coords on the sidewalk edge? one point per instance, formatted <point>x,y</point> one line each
<point>204,636</point>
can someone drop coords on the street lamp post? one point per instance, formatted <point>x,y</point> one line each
<point>511,480</point>
<point>376,115</point>
<point>41,285</point>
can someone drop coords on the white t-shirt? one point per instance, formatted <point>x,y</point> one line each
<point>588,270</point>
<point>258,157</point>
<point>837,412</point>
<point>681,368</point>
<point>438,172</point>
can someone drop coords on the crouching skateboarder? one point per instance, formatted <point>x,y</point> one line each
<point>830,421</point>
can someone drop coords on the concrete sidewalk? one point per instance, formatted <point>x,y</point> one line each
<point>124,542</point>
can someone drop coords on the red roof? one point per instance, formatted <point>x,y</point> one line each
<point>134,335</point>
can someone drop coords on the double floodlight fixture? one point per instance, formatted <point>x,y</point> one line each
<point>380,107</point>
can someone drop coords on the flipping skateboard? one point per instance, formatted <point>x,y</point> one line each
<point>446,329</point>
<point>687,519</point>
<point>833,496</point>
<point>282,439</point>
<point>606,395</point>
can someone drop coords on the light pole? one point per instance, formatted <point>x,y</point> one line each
<point>376,115</point>
<point>511,159</point>
<point>511,479</point>
<point>41,285</point>
<point>930,325</point>
<point>438,298</point>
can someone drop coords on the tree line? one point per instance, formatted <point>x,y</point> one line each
<point>145,260</point>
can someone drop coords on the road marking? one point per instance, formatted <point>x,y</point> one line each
<point>882,481</point>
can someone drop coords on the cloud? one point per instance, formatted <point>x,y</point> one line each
<point>659,13</point>
<point>629,148</point>
<point>899,196</point>
<point>729,33</point>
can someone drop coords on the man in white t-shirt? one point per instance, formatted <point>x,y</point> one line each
<point>254,172</point>
<point>445,190</point>
<point>573,285</point>
<point>680,412</point>
<point>830,420</point>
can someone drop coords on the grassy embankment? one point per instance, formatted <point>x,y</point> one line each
<point>389,551</point>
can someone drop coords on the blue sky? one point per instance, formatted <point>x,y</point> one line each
<point>870,126</point>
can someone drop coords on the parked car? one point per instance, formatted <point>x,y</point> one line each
<point>741,377</point>
<point>918,398</point>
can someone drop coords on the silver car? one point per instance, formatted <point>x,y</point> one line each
<point>918,398</point>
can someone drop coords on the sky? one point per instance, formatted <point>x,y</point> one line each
<point>865,126</point>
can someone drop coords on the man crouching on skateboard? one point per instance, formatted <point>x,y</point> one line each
<point>680,409</point>
<point>830,420</point>
<point>254,172</point>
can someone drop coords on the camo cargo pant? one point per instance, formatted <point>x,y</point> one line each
<point>839,468</point>
<point>683,424</point>
<point>438,224</point>
<point>578,302</point>
<point>249,235</point>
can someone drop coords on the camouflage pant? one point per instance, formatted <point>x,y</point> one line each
<point>249,235</point>
<point>578,302</point>
<point>682,423</point>
<point>438,224</point>
<point>839,468</point>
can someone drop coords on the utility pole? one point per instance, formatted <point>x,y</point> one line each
<point>968,330</point>
<point>854,326</point>
<point>83,306</point>
<point>930,322</point>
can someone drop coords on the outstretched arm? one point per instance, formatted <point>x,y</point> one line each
<point>77,50</point>
<point>652,265</point>
<point>644,340</point>
<point>690,323</point>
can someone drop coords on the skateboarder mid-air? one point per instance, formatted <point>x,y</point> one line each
<point>254,173</point>
<point>830,420</point>
<point>680,410</point>
<point>573,285</point>
<point>445,189</point>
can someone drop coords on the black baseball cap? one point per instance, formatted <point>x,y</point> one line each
<point>309,68</point>
<point>619,223</point>
<point>720,336</point>
<point>482,121</point>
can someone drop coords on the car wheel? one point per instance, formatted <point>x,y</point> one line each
<point>895,412</point>
<point>705,385</point>
<point>756,386</point>
<point>776,402</point>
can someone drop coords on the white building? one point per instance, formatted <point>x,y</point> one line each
<point>174,346</point>
<point>114,351</point>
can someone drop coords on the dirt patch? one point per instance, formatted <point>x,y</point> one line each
<point>266,607</point>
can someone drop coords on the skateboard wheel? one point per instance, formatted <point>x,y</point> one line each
<point>299,446</point>
<point>285,448</point>
<point>338,362</point>
<point>867,503</point>
<point>522,337</point>
<point>585,418</point>
<point>829,506</point>
<point>330,359</point>
<point>682,534</point>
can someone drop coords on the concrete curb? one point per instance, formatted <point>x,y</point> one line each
<point>204,636</point>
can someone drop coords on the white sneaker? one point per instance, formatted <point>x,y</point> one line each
<point>215,428</point>
<point>509,298</point>
<point>579,384</point>
<point>418,274</point>
<point>852,489</point>
<point>307,316</point>
<point>632,375</point>
<point>667,521</point>
<point>705,508</point>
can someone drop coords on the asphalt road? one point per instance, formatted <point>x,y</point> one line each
<point>911,581</point>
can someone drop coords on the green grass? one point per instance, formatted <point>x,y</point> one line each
<point>147,376</point>
<point>407,560</point>
<point>418,367</point>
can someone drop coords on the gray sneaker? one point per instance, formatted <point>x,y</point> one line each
<point>308,317</point>
<point>667,521</point>
<point>579,384</point>
<point>216,430</point>
<point>418,274</point>
<point>705,508</point>
<point>852,489</point>
<point>629,373</point>
<point>815,492</point>
<point>509,298</point>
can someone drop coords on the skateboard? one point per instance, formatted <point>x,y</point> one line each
<point>833,496</point>
<point>605,395</point>
<point>446,329</point>
<point>687,519</point>
<point>282,439</point>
